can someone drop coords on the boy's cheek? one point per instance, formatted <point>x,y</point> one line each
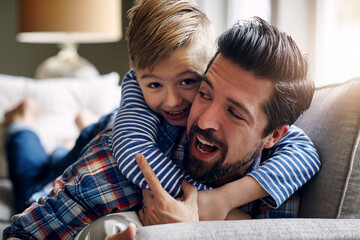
<point>151,101</point>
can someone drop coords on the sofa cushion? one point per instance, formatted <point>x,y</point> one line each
<point>332,123</point>
<point>289,229</point>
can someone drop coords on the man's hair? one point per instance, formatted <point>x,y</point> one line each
<point>260,48</point>
<point>157,28</point>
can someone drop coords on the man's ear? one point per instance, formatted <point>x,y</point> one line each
<point>275,136</point>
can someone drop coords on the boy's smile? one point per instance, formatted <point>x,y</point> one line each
<point>178,115</point>
<point>171,86</point>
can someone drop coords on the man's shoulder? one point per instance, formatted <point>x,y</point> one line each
<point>97,154</point>
<point>102,138</point>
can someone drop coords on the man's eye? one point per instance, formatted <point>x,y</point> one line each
<point>155,85</point>
<point>234,114</point>
<point>203,95</point>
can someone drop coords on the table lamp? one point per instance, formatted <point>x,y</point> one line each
<point>68,23</point>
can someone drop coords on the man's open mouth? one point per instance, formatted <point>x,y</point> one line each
<point>204,146</point>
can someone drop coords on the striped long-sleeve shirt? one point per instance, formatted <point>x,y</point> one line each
<point>290,163</point>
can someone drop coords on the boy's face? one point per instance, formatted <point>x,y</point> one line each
<point>170,88</point>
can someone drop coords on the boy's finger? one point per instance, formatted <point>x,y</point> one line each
<point>149,174</point>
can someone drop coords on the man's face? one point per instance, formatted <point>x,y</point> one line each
<point>226,123</point>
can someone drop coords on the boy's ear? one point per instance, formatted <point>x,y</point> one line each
<point>275,136</point>
<point>132,65</point>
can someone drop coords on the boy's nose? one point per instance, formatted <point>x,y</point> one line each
<point>172,99</point>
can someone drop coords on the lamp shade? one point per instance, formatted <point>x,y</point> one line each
<point>78,21</point>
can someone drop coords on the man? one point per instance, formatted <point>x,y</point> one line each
<point>255,87</point>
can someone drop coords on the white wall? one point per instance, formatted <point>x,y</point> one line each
<point>295,17</point>
<point>224,13</point>
<point>298,19</point>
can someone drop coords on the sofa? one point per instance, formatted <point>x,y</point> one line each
<point>330,205</point>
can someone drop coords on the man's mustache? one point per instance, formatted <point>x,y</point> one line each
<point>208,134</point>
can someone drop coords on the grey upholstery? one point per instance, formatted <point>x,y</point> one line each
<point>276,229</point>
<point>332,123</point>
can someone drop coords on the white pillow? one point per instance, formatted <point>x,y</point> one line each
<point>12,90</point>
<point>59,102</point>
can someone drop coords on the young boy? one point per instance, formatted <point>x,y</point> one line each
<point>93,186</point>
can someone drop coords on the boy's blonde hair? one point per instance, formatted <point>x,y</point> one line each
<point>159,27</point>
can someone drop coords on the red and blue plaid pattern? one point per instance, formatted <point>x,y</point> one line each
<point>89,189</point>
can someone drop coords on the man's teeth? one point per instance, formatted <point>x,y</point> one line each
<point>198,147</point>
<point>201,141</point>
<point>204,142</point>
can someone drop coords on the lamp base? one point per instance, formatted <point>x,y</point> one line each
<point>67,63</point>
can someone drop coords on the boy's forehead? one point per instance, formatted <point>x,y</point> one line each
<point>191,57</point>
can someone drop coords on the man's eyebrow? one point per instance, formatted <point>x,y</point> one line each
<point>237,104</point>
<point>242,107</point>
<point>206,80</point>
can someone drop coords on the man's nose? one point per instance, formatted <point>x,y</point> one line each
<point>210,118</point>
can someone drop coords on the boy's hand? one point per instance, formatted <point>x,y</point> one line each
<point>237,214</point>
<point>211,205</point>
<point>160,207</point>
<point>217,203</point>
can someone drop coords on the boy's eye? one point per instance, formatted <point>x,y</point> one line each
<point>155,85</point>
<point>188,82</point>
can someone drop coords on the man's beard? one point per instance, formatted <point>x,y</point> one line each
<point>205,172</point>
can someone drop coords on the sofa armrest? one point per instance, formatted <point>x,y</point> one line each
<point>255,229</point>
<point>333,124</point>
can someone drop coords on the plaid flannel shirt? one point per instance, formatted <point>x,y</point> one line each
<point>93,187</point>
<point>89,189</point>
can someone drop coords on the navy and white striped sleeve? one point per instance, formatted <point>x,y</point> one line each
<point>135,130</point>
<point>289,164</point>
